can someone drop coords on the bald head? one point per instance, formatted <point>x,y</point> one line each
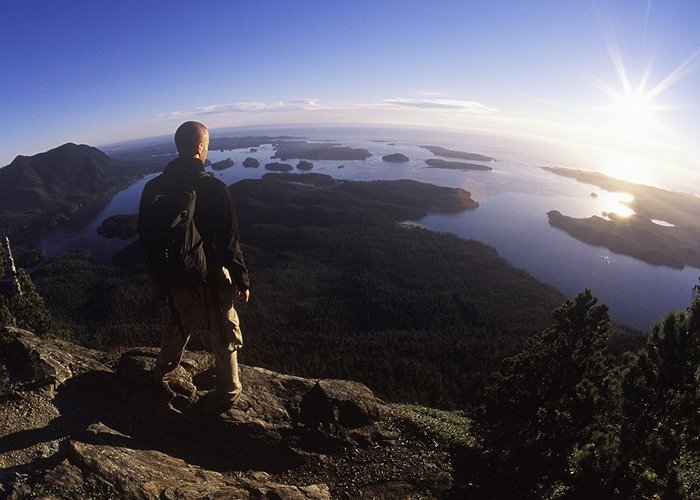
<point>192,140</point>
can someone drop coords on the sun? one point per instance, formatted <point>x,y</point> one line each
<point>627,166</point>
<point>631,126</point>
<point>634,108</point>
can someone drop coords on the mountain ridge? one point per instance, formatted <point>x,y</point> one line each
<point>57,186</point>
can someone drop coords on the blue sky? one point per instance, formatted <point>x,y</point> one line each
<point>99,72</point>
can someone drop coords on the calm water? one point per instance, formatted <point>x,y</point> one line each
<point>514,199</point>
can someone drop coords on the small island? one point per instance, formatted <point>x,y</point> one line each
<point>286,150</point>
<point>222,165</point>
<point>305,165</point>
<point>251,162</point>
<point>460,155</point>
<point>673,244</point>
<point>119,226</point>
<point>395,158</point>
<point>278,167</point>
<point>455,165</point>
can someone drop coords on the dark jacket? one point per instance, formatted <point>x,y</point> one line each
<point>214,216</point>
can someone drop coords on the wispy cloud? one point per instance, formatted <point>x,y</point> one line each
<point>247,107</point>
<point>427,93</point>
<point>441,104</point>
<point>306,105</point>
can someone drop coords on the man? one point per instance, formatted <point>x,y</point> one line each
<point>209,307</point>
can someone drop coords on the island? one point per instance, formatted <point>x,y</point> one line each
<point>285,150</point>
<point>395,158</point>
<point>400,200</point>
<point>455,165</point>
<point>251,163</point>
<point>119,226</point>
<point>278,167</point>
<point>460,155</point>
<point>305,165</point>
<point>222,165</point>
<point>664,230</point>
<point>312,179</point>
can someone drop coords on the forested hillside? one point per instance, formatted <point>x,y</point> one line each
<point>56,186</point>
<point>339,290</point>
<point>554,408</point>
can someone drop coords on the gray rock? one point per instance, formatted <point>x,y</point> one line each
<point>31,360</point>
<point>151,474</point>
<point>110,430</point>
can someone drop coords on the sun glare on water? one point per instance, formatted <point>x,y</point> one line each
<point>616,203</point>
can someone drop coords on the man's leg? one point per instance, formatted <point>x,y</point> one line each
<point>175,336</point>
<point>226,338</point>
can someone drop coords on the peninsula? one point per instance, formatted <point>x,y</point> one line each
<point>286,150</point>
<point>119,226</point>
<point>673,244</point>
<point>454,165</point>
<point>460,155</point>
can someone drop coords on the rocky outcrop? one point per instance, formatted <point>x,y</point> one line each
<point>81,423</point>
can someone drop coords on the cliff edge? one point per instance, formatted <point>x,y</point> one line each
<point>77,423</point>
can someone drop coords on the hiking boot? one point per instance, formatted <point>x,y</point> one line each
<point>227,403</point>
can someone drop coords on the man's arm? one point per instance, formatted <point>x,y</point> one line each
<point>229,248</point>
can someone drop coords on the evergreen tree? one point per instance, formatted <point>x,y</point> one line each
<point>660,431</point>
<point>546,404</point>
<point>26,310</point>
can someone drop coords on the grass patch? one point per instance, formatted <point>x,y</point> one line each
<point>450,427</point>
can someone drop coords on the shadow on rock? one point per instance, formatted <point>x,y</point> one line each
<point>279,420</point>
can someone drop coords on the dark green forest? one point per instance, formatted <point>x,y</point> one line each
<point>339,290</point>
<point>562,402</point>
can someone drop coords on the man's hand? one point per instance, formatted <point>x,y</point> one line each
<point>241,296</point>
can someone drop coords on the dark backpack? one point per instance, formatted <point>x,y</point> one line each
<point>172,246</point>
